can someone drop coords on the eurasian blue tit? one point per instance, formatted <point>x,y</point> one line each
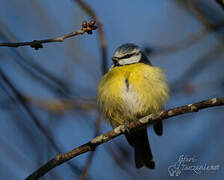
<point>132,89</point>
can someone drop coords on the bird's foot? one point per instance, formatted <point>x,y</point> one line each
<point>127,127</point>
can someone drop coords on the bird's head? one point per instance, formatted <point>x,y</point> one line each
<point>128,54</point>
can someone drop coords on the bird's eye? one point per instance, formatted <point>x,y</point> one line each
<point>127,56</point>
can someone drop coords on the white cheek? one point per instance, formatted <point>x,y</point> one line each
<point>131,60</point>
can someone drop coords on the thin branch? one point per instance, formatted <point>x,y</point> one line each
<point>36,44</point>
<point>145,121</point>
<point>182,44</point>
<point>221,3</point>
<point>61,105</point>
<point>179,45</point>
<point>102,39</point>
<point>21,101</point>
<point>103,47</point>
<point>196,68</point>
<point>198,12</point>
<point>123,162</point>
<point>26,62</point>
<point>12,154</point>
<point>193,4</point>
<point>84,173</point>
<point>201,16</point>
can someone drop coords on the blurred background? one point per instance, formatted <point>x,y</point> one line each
<point>48,96</point>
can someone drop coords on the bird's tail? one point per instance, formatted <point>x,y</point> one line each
<point>143,154</point>
<point>158,128</point>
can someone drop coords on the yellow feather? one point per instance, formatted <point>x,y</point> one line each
<point>128,92</point>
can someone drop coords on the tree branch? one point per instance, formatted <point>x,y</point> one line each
<point>36,44</point>
<point>221,3</point>
<point>84,173</point>
<point>102,40</point>
<point>181,44</point>
<point>145,121</point>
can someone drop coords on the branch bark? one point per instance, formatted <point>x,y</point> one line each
<point>145,121</point>
<point>36,44</point>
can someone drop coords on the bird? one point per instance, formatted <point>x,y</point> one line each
<point>130,90</point>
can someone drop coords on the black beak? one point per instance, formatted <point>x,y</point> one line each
<point>115,61</point>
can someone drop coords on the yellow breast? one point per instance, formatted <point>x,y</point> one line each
<point>128,92</point>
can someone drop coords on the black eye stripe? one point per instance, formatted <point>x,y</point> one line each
<point>127,56</point>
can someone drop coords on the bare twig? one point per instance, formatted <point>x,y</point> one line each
<point>193,4</point>
<point>145,121</point>
<point>201,16</point>
<point>123,163</point>
<point>177,46</point>
<point>22,102</point>
<point>221,3</point>
<point>103,47</point>
<point>83,175</point>
<point>192,39</point>
<point>9,151</point>
<point>36,44</point>
<point>206,59</point>
<point>180,45</point>
<point>26,62</point>
<point>102,39</point>
<point>61,105</point>
<point>196,68</point>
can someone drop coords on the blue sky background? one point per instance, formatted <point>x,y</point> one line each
<point>76,62</point>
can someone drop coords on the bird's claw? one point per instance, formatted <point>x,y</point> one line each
<point>127,127</point>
